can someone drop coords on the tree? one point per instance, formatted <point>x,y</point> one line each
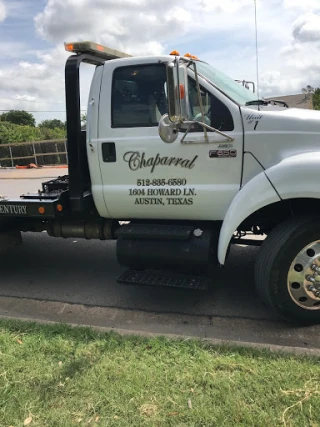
<point>19,117</point>
<point>316,99</point>
<point>52,124</point>
<point>83,120</point>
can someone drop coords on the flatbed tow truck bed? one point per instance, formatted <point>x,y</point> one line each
<point>49,202</point>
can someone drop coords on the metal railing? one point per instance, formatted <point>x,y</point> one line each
<point>35,154</point>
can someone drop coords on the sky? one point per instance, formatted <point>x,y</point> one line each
<point>32,33</point>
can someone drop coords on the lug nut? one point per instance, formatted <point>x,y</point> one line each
<point>311,288</point>
<point>310,279</point>
<point>317,294</point>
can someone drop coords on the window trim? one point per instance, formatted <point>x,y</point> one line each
<point>127,126</point>
<point>219,100</point>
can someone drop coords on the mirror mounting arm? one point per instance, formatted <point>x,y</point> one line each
<point>200,101</point>
<point>205,126</point>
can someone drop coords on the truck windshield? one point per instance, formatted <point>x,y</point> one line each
<point>226,84</point>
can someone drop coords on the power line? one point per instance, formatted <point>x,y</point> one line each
<point>257,51</point>
<point>34,111</point>
<point>31,100</point>
<point>41,111</point>
<point>27,100</point>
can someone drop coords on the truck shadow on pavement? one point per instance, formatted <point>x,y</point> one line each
<point>85,272</point>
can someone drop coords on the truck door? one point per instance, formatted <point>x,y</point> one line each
<point>141,176</point>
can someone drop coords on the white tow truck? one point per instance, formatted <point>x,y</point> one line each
<point>178,162</point>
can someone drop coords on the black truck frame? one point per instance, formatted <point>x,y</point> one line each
<point>64,206</point>
<point>67,194</point>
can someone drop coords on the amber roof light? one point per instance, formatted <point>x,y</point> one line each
<point>96,49</point>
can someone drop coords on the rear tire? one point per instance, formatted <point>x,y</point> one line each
<point>287,270</point>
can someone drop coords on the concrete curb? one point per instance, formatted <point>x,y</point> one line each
<point>297,351</point>
<point>261,334</point>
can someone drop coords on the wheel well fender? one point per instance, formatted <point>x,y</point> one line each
<point>256,194</point>
<point>296,176</point>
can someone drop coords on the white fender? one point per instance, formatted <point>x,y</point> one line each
<point>297,176</point>
<point>256,194</point>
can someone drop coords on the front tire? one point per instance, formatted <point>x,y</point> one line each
<point>287,270</point>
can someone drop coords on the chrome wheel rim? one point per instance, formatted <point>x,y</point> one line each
<point>304,278</point>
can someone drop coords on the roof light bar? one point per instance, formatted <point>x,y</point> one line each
<point>95,49</point>
<point>187,55</point>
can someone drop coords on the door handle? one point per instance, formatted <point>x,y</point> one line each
<point>109,152</point>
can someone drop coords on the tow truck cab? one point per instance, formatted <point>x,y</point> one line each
<point>178,161</point>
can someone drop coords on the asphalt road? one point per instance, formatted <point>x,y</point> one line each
<point>84,273</point>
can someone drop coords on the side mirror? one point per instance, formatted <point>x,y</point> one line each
<point>177,92</point>
<point>168,130</point>
<point>180,115</point>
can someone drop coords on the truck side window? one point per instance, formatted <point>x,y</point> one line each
<point>138,95</point>
<point>216,113</point>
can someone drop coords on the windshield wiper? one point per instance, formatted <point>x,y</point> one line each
<point>264,102</point>
<point>257,102</point>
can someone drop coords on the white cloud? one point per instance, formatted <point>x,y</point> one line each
<point>299,62</point>
<point>3,11</point>
<point>220,32</point>
<point>302,4</point>
<point>129,25</point>
<point>35,85</point>
<point>274,83</point>
<point>136,26</point>
<point>25,98</point>
<point>228,6</point>
<point>307,28</point>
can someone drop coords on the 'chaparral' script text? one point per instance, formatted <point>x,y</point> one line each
<point>138,161</point>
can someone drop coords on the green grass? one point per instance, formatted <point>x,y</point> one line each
<point>62,376</point>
